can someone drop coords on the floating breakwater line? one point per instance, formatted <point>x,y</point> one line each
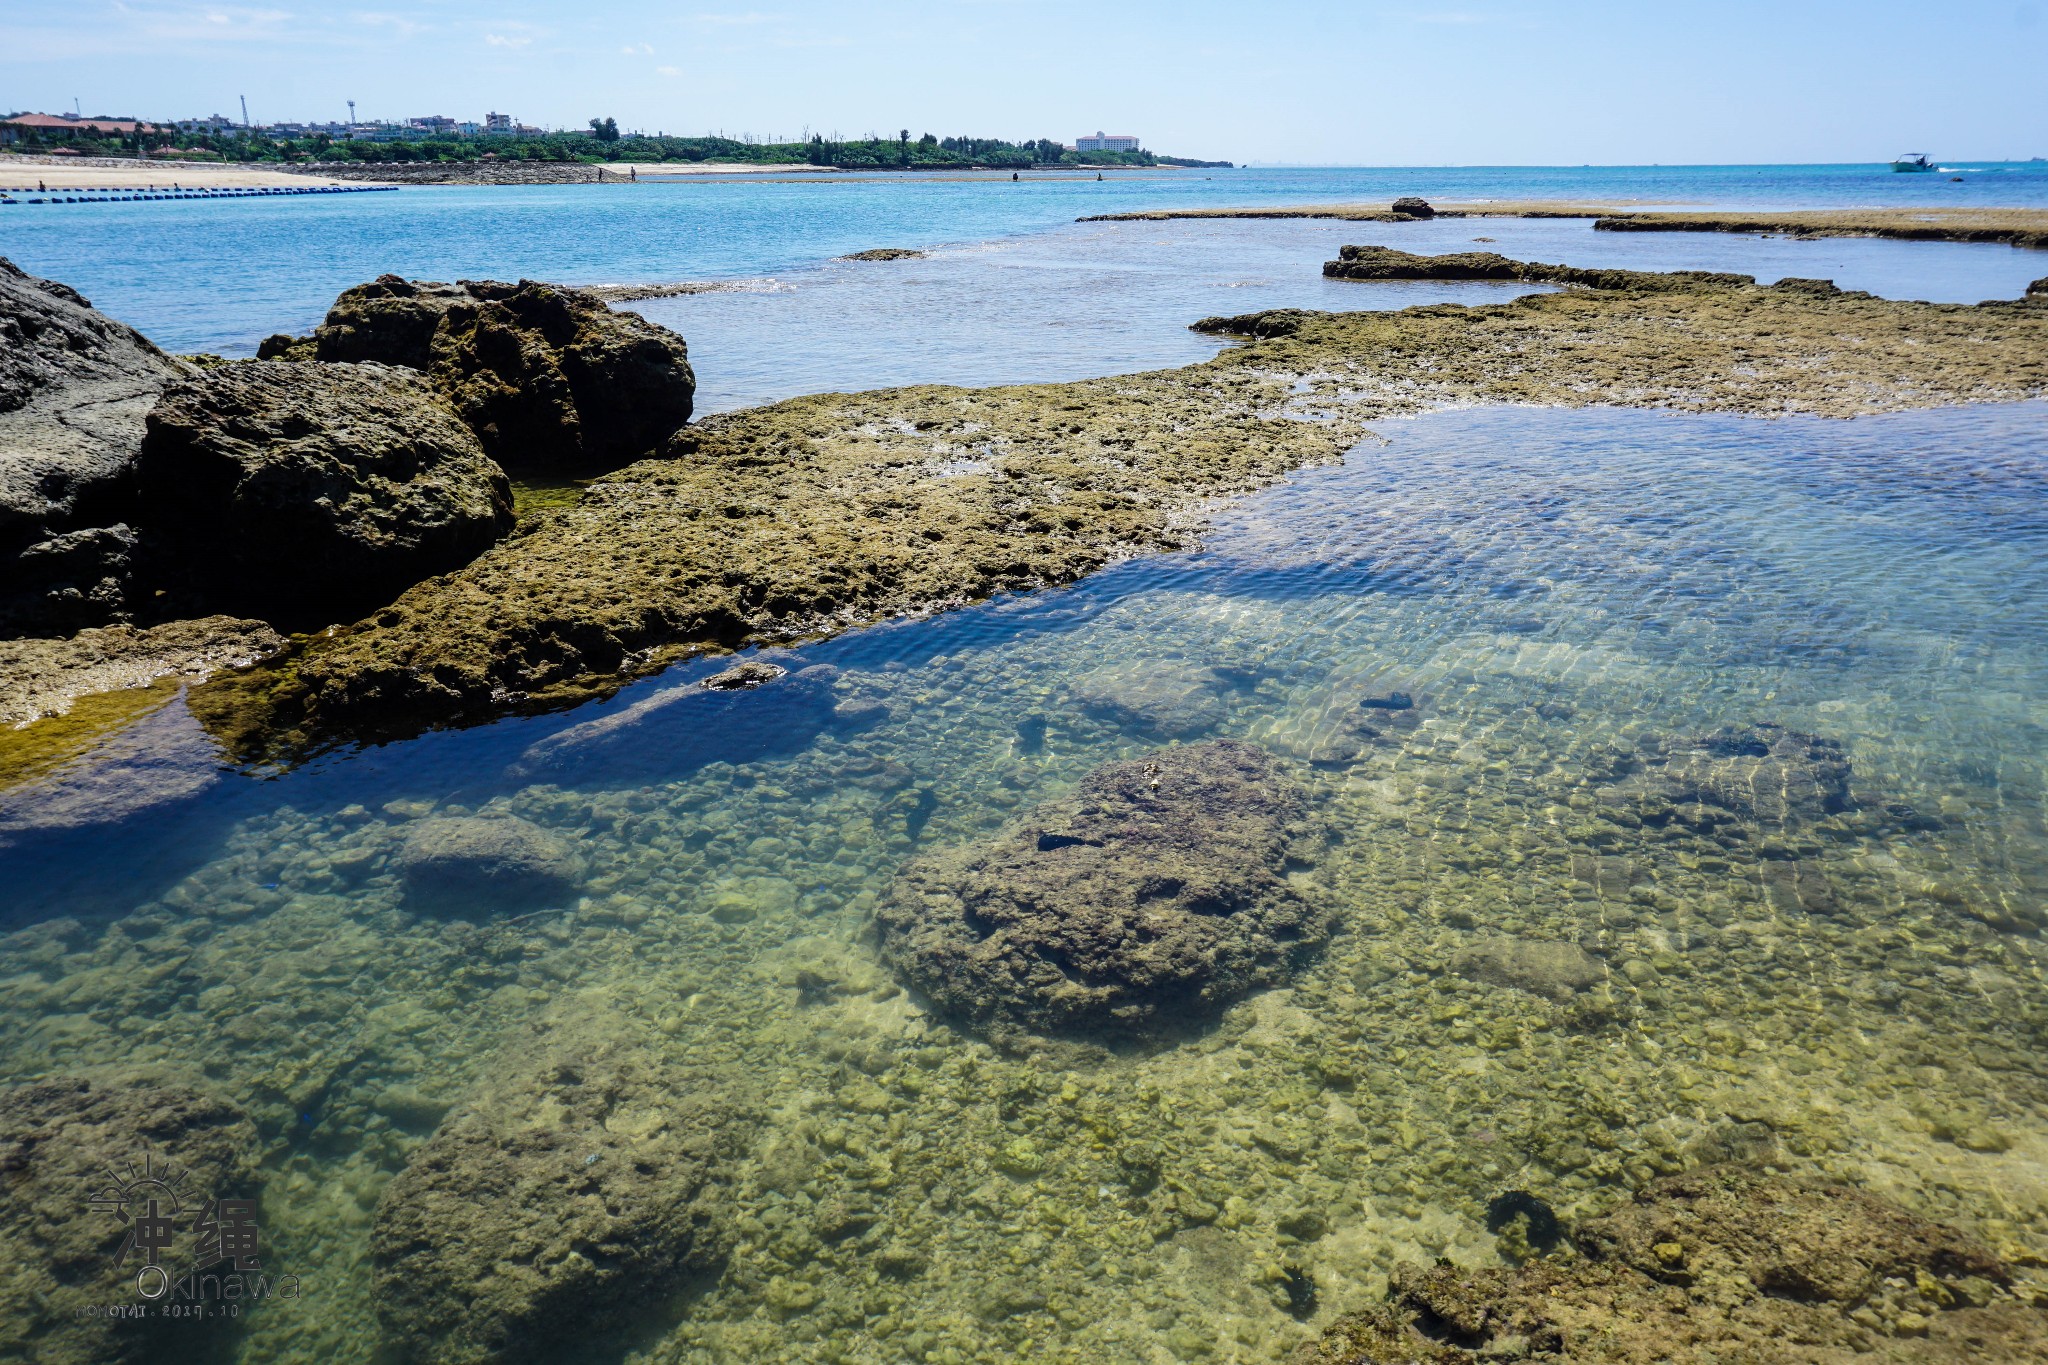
<point>118,196</point>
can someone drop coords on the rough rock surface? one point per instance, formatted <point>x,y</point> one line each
<point>1387,263</point>
<point>305,491</point>
<point>886,253</point>
<point>74,386</point>
<point>478,864</point>
<point>568,1199</point>
<point>1142,905</point>
<point>1720,1264</point>
<point>59,1141</point>
<point>1410,206</point>
<point>1168,698</point>
<point>548,377</point>
<point>743,714</point>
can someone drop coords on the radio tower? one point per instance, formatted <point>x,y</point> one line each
<point>245,111</point>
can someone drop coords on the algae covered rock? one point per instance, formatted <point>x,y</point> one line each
<point>566,1201</point>
<point>80,1157</point>
<point>314,491</point>
<point>1142,905</point>
<point>548,377</point>
<point>456,864</point>
<point>1720,1264</point>
<point>1812,1243</point>
<point>74,387</point>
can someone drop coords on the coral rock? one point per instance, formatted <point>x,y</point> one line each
<point>566,1200</point>
<point>549,378</point>
<point>312,491</point>
<point>1142,905</point>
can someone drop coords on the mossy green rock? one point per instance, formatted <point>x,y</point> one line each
<point>1142,905</point>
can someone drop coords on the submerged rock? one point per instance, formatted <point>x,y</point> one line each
<point>1723,1263</point>
<point>1167,698</point>
<point>455,864</point>
<point>76,1155</point>
<point>311,491</point>
<point>74,387</point>
<point>548,377</point>
<point>1763,771</point>
<point>1556,971</point>
<point>565,1202</point>
<point>748,712</point>
<point>1142,905</point>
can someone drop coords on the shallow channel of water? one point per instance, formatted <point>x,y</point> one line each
<point>1588,610</point>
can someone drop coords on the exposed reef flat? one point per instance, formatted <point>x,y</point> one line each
<point>626,293</point>
<point>2014,227</point>
<point>814,515</point>
<point>886,253</point>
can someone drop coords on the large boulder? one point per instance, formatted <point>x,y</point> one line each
<point>311,492</point>
<point>549,378</point>
<point>568,1199</point>
<point>74,386</point>
<point>1157,894</point>
<point>80,1158</point>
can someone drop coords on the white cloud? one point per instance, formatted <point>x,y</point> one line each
<point>504,40</point>
<point>668,71</point>
<point>636,49</point>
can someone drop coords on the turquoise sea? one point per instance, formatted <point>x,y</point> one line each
<point>1737,727</point>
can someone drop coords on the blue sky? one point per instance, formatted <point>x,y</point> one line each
<point>1455,82</point>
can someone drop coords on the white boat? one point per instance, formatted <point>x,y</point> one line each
<point>1912,161</point>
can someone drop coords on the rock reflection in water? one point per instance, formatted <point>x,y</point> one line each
<point>1712,832</point>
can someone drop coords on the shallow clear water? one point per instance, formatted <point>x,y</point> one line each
<point>221,275</point>
<point>1569,598</point>
<point>1088,299</point>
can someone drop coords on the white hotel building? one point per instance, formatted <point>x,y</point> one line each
<point>1106,142</point>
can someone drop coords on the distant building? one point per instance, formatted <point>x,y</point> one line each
<point>1106,142</point>
<point>433,123</point>
<point>498,123</point>
<point>213,125</point>
<point>69,123</point>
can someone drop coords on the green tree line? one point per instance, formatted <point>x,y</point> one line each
<point>604,142</point>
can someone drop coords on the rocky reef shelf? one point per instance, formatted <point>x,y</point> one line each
<point>2012,227</point>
